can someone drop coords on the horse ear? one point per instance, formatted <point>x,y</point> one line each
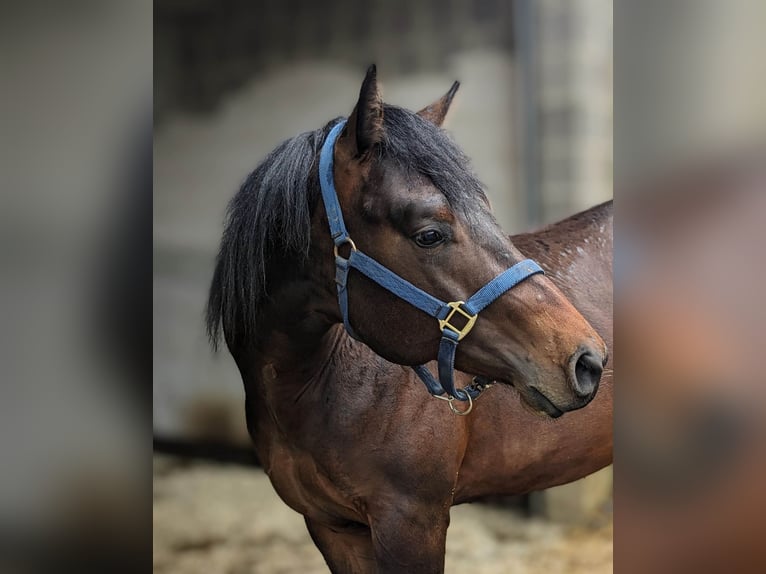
<point>436,112</point>
<point>364,128</point>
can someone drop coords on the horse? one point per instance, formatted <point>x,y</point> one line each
<point>346,432</point>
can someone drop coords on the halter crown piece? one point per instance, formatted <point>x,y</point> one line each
<point>445,313</point>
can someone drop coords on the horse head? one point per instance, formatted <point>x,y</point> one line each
<point>411,202</point>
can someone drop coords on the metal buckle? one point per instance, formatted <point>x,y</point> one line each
<point>461,332</point>
<point>451,402</point>
<point>479,387</point>
<point>346,240</point>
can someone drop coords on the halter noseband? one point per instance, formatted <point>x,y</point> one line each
<point>445,313</point>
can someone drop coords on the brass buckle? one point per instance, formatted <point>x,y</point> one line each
<point>346,240</point>
<point>461,332</point>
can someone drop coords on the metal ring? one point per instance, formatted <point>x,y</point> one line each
<point>346,240</point>
<point>459,412</point>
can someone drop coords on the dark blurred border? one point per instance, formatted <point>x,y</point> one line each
<point>75,280</point>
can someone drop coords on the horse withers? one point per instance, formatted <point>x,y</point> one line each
<point>347,434</point>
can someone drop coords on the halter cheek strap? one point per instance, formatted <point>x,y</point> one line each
<point>456,318</point>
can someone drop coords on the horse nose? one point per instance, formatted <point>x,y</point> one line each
<point>586,366</point>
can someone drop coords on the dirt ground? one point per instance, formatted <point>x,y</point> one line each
<point>212,519</point>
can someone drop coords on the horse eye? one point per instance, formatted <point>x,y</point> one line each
<point>429,238</point>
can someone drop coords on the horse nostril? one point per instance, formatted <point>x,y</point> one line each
<point>588,369</point>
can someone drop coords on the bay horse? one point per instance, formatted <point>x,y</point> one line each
<point>344,429</point>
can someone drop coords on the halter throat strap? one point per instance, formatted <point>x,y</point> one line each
<point>455,318</point>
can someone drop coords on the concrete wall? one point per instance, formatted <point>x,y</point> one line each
<point>575,105</point>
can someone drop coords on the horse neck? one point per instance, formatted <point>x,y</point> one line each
<point>513,451</point>
<point>576,254</point>
<point>565,248</point>
<point>295,326</point>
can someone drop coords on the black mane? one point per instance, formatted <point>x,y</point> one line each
<point>269,219</point>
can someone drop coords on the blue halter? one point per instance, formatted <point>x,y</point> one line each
<point>445,313</point>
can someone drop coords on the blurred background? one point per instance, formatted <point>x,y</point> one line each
<point>234,78</point>
<point>690,183</point>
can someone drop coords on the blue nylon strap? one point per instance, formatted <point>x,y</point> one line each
<point>446,363</point>
<point>430,304</point>
<point>327,184</point>
<point>335,217</point>
<point>428,379</point>
<point>406,290</point>
<point>341,280</point>
<point>508,279</point>
<point>395,284</point>
<point>435,388</point>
